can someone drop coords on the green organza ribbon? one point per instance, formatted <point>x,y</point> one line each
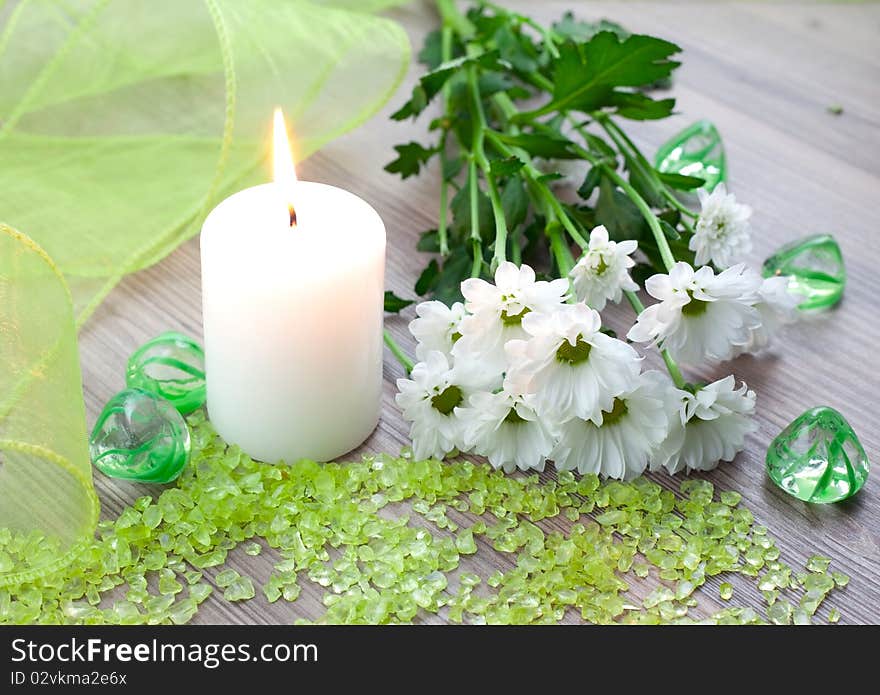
<point>47,503</point>
<point>122,123</point>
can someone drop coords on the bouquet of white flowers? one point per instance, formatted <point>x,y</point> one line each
<point>521,371</point>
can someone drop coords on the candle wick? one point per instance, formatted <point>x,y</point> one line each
<point>292,215</point>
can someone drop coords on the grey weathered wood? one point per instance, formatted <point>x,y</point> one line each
<point>765,74</point>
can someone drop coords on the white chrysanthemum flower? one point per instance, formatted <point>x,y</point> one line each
<point>620,443</point>
<point>429,399</point>
<point>497,311</point>
<point>569,367</point>
<point>437,327</point>
<point>711,426</point>
<point>701,315</point>
<point>602,273</point>
<point>777,306</point>
<point>722,234</point>
<point>506,430</point>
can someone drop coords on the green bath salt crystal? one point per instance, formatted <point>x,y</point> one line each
<point>815,268</point>
<point>378,541</point>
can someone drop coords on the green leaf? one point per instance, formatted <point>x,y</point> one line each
<point>639,107</point>
<point>493,82</point>
<point>618,213</point>
<point>570,28</point>
<point>393,303</point>
<point>429,242</point>
<point>669,230</point>
<point>680,181</point>
<point>552,176</point>
<point>586,76</point>
<point>535,240</point>
<point>641,180</point>
<point>501,168</point>
<point>546,145</point>
<point>411,157</point>
<point>431,83</point>
<point>431,54</point>
<point>671,216</point>
<point>428,277</point>
<point>515,202</point>
<point>594,177</point>
<point>461,214</point>
<point>599,147</point>
<point>446,285</point>
<point>452,167</point>
<point>517,49</point>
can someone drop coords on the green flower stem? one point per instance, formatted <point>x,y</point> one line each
<point>398,352</point>
<point>547,35</point>
<point>454,19</point>
<point>671,365</point>
<point>564,218</point>
<point>443,225</point>
<point>561,251</point>
<point>465,29</point>
<point>681,207</point>
<point>673,369</point>
<point>476,239</point>
<point>624,142</point>
<point>480,128</point>
<point>647,213</point>
<point>539,188</point>
<point>515,250</point>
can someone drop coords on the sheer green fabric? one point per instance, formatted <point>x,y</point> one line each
<point>122,122</point>
<point>47,503</point>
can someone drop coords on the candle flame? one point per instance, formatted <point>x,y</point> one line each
<point>284,172</point>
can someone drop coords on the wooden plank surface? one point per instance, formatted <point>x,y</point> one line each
<point>765,74</point>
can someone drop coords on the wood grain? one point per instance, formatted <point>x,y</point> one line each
<point>765,74</point>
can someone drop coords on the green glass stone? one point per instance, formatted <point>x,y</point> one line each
<point>818,458</point>
<point>695,151</point>
<point>815,266</point>
<point>139,436</point>
<point>172,366</point>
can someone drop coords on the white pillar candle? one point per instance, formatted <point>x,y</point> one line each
<point>293,318</point>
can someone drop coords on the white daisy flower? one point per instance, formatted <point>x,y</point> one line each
<point>711,426</point>
<point>507,431</point>
<point>621,441</point>
<point>701,315</point>
<point>429,398</point>
<point>722,234</point>
<point>777,306</point>
<point>496,311</point>
<point>602,273</point>
<point>570,367</point>
<point>437,327</point>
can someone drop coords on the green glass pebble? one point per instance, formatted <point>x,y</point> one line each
<point>815,267</point>
<point>172,366</point>
<point>139,436</point>
<point>818,458</point>
<point>695,151</point>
